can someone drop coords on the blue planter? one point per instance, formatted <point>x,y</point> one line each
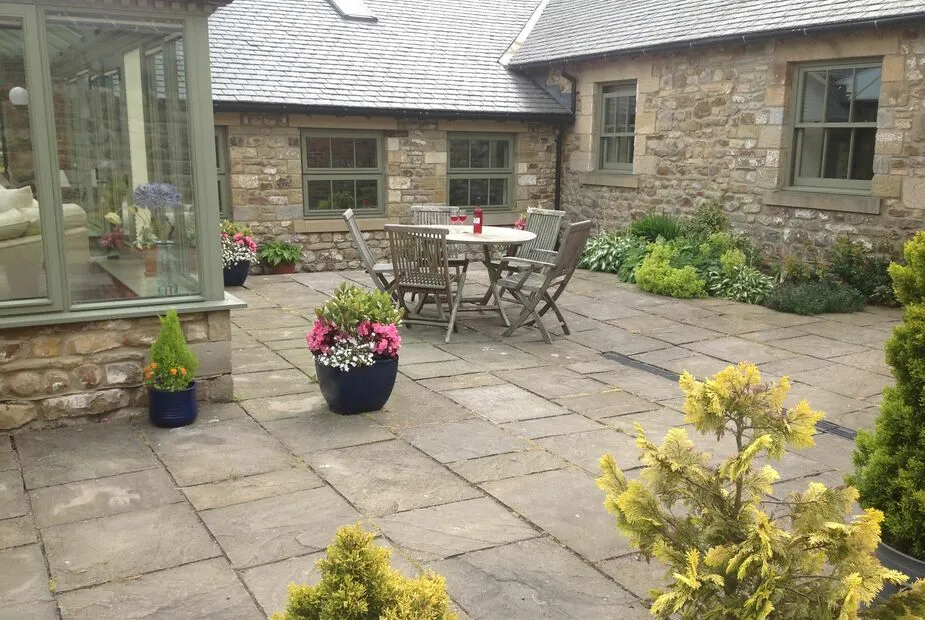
<point>172,409</point>
<point>360,390</point>
<point>236,274</point>
<point>896,560</point>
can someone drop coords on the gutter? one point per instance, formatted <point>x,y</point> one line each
<point>560,140</point>
<point>403,113</point>
<point>738,38</point>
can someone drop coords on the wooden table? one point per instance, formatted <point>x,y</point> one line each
<point>490,236</point>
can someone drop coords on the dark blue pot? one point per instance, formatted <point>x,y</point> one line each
<point>236,274</point>
<point>172,409</point>
<point>360,390</point>
<point>897,560</point>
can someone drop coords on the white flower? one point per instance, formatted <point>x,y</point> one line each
<point>113,218</point>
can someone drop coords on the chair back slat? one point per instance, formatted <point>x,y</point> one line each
<point>419,257</point>
<point>545,224</point>
<point>573,244</point>
<point>365,254</point>
<point>432,215</point>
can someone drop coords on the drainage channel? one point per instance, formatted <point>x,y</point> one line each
<point>823,426</point>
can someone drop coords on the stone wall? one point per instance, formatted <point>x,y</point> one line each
<point>52,374</point>
<point>265,176</point>
<point>716,124</point>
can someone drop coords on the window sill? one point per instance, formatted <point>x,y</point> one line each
<point>822,201</point>
<point>156,307</point>
<point>609,179</point>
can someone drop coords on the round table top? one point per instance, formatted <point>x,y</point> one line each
<point>462,233</point>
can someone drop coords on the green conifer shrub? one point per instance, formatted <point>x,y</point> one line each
<point>358,583</point>
<point>890,462</point>
<point>725,556</point>
<point>172,365</point>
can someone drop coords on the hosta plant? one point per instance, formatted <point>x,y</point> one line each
<point>726,557</point>
<point>618,253</point>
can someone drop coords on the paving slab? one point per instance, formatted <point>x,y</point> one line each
<point>275,528</point>
<point>561,352</point>
<point>791,367</point>
<point>872,360</point>
<point>734,350</point>
<point>508,465</point>
<point>206,589</point>
<point>861,419</point>
<point>260,486</point>
<point>16,532</point>
<point>297,354</point>
<point>203,453</point>
<point>451,529</point>
<point>505,403</point>
<point>82,452</point>
<point>458,382</point>
<point>13,502</point>
<point>23,580</point>
<point>216,412</point>
<point>438,369</point>
<point>553,382</point>
<point>727,324</point>
<point>326,430</point>
<point>271,383</point>
<point>831,451</point>
<point>830,403</point>
<point>256,360</point>
<point>846,380</point>
<point>412,404</point>
<point>90,552</point>
<point>7,457</point>
<point>643,384</point>
<point>88,499</point>
<point>548,427</point>
<point>871,335</point>
<point>388,477</point>
<point>577,517</point>
<point>586,449</point>
<point>280,407</point>
<point>616,339</point>
<point>491,356</point>
<point>592,308</point>
<point>818,346</point>
<point>656,423</point>
<point>535,579</point>
<point>666,330</point>
<point>458,441</point>
<point>423,353</point>
<point>269,318</point>
<point>636,574</point>
<point>699,365</point>
<point>609,402</point>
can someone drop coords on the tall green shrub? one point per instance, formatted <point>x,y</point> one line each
<point>358,583</point>
<point>890,462</point>
<point>172,364</point>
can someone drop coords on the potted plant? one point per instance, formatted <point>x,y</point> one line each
<point>146,243</point>
<point>238,252</point>
<point>170,376</point>
<point>890,462</point>
<point>280,256</point>
<point>730,550</point>
<point>359,583</point>
<point>355,342</point>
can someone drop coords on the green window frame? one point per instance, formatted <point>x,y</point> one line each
<point>480,170</point>
<point>617,126</point>
<point>58,305</point>
<point>221,160</point>
<point>342,170</point>
<point>835,126</point>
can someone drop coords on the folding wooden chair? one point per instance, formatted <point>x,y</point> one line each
<point>536,285</point>
<point>421,267</point>
<point>379,272</point>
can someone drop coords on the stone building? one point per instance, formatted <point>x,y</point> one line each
<point>805,120</point>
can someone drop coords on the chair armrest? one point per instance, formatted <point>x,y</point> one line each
<point>553,252</point>
<point>526,261</point>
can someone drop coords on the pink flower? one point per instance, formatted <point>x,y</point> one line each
<point>238,236</point>
<point>224,235</point>
<point>320,338</point>
<point>364,329</point>
<point>520,224</point>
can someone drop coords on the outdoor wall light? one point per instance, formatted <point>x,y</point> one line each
<point>19,96</point>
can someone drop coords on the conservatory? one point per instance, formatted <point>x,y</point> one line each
<point>108,200</point>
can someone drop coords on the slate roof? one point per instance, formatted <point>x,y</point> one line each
<point>587,28</point>
<point>423,55</point>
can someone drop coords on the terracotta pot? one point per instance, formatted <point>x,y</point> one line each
<point>282,268</point>
<point>150,257</point>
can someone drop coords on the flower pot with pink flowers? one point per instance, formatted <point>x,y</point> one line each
<point>355,342</point>
<point>239,251</point>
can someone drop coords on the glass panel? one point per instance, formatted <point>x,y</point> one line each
<point>497,192</point>
<point>22,273</point>
<point>367,155</point>
<point>500,153</point>
<point>478,152</point>
<point>319,195</point>
<point>609,150</point>
<point>478,191</point>
<point>344,195</point>
<point>862,166</point>
<point>317,152</point>
<point>459,192</point>
<point>459,153</point>
<point>837,151</point>
<point>630,114</point>
<point>813,96</point>
<point>342,152</point>
<point>811,142</point>
<point>838,99</point>
<point>622,113</point>
<point>367,194</point>
<point>609,117</point>
<point>625,150</point>
<point>866,95</point>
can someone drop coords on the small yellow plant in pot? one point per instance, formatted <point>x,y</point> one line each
<point>170,376</point>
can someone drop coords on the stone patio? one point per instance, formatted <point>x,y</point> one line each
<point>481,466</point>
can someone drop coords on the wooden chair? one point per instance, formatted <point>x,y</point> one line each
<point>536,285</point>
<point>546,224</point>
<point>379,272</point>
<point>439,215</point>
<point>422,267</point>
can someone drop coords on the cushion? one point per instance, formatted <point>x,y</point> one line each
<point>32,217</point>
<point>12,224</point>
<point>74,216</point>
<point>15,199</point>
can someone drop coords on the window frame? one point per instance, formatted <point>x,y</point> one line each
<point>625,88</point>
<point>797,182</point>
<point>57,306</point>
<point>221,171</point>
<point>343,174</point>
<point>506,174</point>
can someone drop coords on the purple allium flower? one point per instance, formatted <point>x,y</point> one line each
<point>156,196</point>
